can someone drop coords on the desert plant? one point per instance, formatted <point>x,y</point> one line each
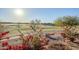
<point>36,27</point>
<point>32,40</point>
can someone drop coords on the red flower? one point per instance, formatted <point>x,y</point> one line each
<point>20,47</point>
<point>9,47</point>
<point>4,33</point>
<point>14,47</point>
<point>4,43</point>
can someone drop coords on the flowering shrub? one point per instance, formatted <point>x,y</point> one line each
<point>33,41</point>
<point>18,47</point>
<point>3,34</point>
<point>4,43</point>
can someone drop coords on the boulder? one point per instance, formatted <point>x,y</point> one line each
<point>54,37</point>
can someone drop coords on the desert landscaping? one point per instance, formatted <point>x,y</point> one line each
<point>62,34</point>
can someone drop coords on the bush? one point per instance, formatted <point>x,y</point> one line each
<point>69,24</point>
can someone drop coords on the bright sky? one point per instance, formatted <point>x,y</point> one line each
<point>43,14</point>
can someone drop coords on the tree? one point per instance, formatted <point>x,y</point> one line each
<point>69,24</point>
<point>58,22</point>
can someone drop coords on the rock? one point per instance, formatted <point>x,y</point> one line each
<point>54,37</point>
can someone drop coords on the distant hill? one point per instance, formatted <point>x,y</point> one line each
<point>12,23</point>
<point>50,24</point>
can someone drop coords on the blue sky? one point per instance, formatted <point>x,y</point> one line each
<point>43,14</point>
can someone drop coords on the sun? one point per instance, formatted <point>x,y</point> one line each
<point>19,12</point>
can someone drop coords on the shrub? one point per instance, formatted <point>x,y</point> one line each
<point>69,24</point>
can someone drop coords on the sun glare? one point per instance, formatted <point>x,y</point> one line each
<point>19,12</point>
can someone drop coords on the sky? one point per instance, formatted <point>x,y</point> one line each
<point>27,14</point>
